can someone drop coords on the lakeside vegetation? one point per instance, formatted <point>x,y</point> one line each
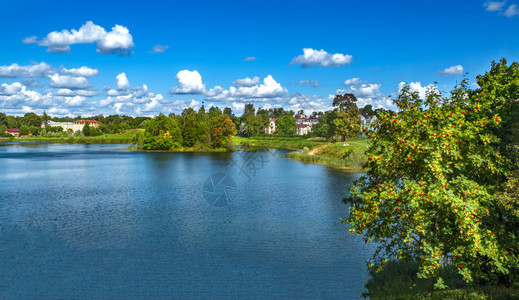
<point>119,138</point>
<point>349,154</point>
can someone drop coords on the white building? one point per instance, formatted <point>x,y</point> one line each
<point>74,126</point>
<point>303,129</point>
<point>366,121</point>
<point>271,129</point>
<point>305,123</point>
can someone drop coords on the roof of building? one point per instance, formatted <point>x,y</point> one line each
<point>59,123</point>
<point>273,120</point>
<point>13,130</point>
<point>81,122</point>
<point>302,125</point>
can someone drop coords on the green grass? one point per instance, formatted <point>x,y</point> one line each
<point>351,156</point>
<point>121,138</point>
<point>288,143</point>
<point>398,280</point>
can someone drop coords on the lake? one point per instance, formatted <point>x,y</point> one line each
<point>95,221</point>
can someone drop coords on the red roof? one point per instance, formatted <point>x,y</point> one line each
<point>81,122</point>
<point>13,130</point>
<point>302,125</point>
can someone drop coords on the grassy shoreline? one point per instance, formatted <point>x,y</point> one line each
<point>313,150</point>
<point>348,155</point>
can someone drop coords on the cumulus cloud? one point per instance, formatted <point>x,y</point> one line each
<point>118,40</point>
<point>17,99</point>
<point>512,11</point>
<point>10,89</point>
<point>79,72</point>
<point>353,81</point>
<point>35,70</point>
<point>270,89</point>
<point>68,82</point>
<point>312,83</point>
<point>43,70</point>
<point>247,82</point>
<point>307,103</point>
<point>312,57</point>
<point>250,58</point>
<point>366,93</point>
<point>494,5</point>
<point>454,70</point>
<point>189,82</point>
<point>122,81</point>
<point>159,49</point>
<point>73,93</point>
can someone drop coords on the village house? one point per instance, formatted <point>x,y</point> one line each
<point>13,132</point>
<point>271,129</point>
<point>305,123</point>
<point>366,121</point>
<point>73,126</point>
<point>303,129</point>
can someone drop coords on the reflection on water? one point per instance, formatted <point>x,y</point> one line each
<point>93,221</point>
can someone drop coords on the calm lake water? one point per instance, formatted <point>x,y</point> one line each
<point>91,221</point>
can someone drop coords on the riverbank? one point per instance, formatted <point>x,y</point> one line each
<point>348,154</point>
<point>121,138</point>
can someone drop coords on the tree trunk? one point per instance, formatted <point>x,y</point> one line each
<point>430,286</point>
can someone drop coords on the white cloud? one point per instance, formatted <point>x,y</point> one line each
<point>10,89</point>
<point>312,57</point>
<point>76,92</point>
<point>312,83</point>
<point>80,72</point>
<point>189,82</point>
<point>270,89</point>
<point>494,5</point>
<point>194,104</point>
<point>353,81</point>
<point>367,93</point>
<point>250,58</point>
<point>36,70</point>
<point>238,107</point>
<point>511,11</point>
<point>17,99</point>
<point>309,104</point>
<point>68,82</point>
<point>159,49</point>
<point>247,82</point>
<point>118,40</point>
<point>454,70</point>
<point>122,81</point>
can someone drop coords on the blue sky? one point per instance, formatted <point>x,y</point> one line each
<point>43,45</point>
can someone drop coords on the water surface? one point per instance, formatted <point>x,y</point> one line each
<point>91,221</point>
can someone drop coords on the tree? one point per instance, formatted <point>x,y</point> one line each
<point>86,129</point>
<point>222,131</point>
<point>500,88</point>
<point>162,133</point>
<point>45,119</point>
<point>286,125</point>
<point>228,112</point>
<point>249,110</point>
<point>3,119</point>
<point>429,194</point>
<point>367,110</point>
<point>31,119</point>
<point>188,126</point>
<point>24,130</point>
<point>347,120</point>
